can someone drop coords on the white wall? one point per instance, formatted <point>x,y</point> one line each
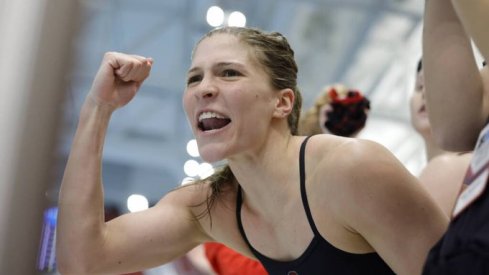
<point>34,50</point>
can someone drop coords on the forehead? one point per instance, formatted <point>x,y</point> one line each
<point>219,48</point>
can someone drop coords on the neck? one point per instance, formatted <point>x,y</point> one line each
<point>265,172</point>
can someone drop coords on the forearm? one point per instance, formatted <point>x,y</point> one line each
<point>81,202</point>
<point>452,79</point>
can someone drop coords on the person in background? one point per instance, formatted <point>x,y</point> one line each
<point>337,110</point>
<point>444,171</point>
<point>225,261</point>
<point>457,96</point>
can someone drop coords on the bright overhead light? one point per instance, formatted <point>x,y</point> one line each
<point>192,148</point>
<point>191,168</point>
<point>205,170</point>
<point>237,19</point>
<point>137,203</point>
<point>215,16</point>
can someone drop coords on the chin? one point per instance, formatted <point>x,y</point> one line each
<point>423,129</point>
<point>210,155</point>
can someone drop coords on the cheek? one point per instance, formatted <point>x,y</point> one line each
<point>412,105</point>
<point>415,102</point>
<point>187,103</point>
<point>413,111</point>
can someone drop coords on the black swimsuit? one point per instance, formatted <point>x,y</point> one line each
<point>320,257</point>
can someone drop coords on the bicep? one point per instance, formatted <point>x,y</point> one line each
<point>394,214</point>
<point>452,80</point>
<point>443,178</point>
<point>149,238</point>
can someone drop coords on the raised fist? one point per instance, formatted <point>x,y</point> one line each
<point>119,78</point>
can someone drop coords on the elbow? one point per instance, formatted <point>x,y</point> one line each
<point>455,140</point>
<point>65,267</point>
<point>66,264</point>
<point>69,268</point>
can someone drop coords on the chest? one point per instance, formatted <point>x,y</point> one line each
<point>283,236</point>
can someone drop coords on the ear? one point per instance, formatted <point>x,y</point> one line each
<point>284,103</point>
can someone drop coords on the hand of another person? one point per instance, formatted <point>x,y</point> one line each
<point>119,78</point>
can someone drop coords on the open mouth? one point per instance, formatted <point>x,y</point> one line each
<point>212,121</point>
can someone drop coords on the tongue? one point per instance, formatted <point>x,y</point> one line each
<point>214,123</point>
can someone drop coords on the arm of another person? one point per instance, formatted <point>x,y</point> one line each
<point>443,178</point>
<point>458,106</point>
<point>475,19</point>
<point>386,205</point>
<point>85,243</point>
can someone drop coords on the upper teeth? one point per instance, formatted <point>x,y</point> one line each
<point>205,115</point>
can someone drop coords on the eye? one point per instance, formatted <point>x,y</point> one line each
<point>230,73</point>
<point>194,78</point>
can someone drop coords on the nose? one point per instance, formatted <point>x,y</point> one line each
<point>207,89</point>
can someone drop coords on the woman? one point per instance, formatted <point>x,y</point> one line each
<point>337,110</point>
<point>337,205</point>
<point>458,97</point>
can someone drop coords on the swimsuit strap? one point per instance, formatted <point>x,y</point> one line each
<point>302,172</point>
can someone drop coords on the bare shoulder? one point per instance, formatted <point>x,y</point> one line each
<point>451,159</point>
<point>351,156</point>
<point>188,196</point>
<point>366,173</point>
<point>445,166</point>
<point>197,199</point>
<point>358,169</point>
<point>183,204</point>
<point>443,177</point>
<point>372,195</point>
<point>215,214</point>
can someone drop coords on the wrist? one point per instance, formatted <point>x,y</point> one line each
<point>92,102</point>
<point>93,107</point>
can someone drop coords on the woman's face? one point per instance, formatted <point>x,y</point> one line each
<point>228,100</point>
<point>419,113</point>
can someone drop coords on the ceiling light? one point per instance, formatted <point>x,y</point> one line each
<point>137,203</point>
<point>237,19</point>
<point>215,16</point>
<point>192,148</point>
<point>191,168</point>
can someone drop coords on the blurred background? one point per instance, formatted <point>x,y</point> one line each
<point>370,45</point>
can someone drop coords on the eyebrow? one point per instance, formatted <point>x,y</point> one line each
<point>219,65</point>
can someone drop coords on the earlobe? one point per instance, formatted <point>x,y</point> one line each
<point>284,103</point>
